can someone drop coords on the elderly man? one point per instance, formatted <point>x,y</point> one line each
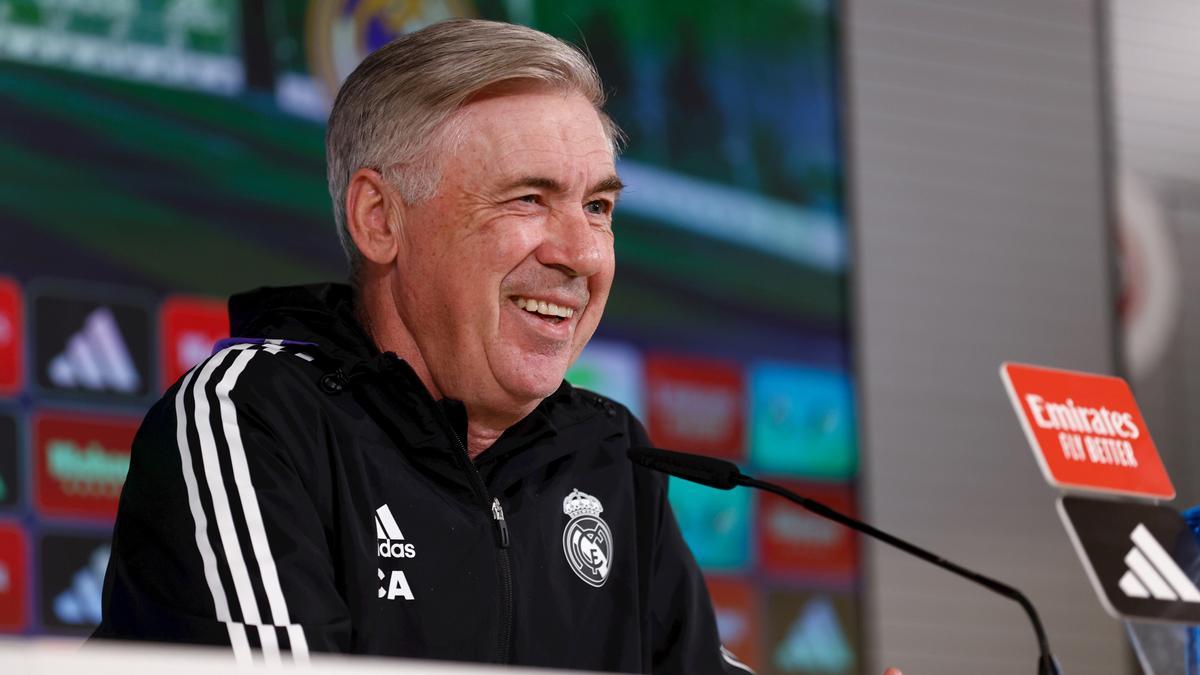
<point>398,467</point>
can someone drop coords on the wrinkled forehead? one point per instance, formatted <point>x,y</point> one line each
<point>558,135</point>
<point>523,86</point>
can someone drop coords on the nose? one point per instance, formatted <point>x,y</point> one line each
<point>574,245</point>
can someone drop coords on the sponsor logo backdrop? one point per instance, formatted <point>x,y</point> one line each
<point>80,463</point>
<point>91,348</point>
<point>726,331</point>
<point>72,573</point>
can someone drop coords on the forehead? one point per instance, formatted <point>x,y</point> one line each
<point>548,132</point>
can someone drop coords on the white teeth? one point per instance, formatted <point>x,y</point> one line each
<point>544,308</point>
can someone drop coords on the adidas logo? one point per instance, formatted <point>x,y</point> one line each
<point>391,540</point>
<point>79,604</point>
<point>815,642</point>
<point>96,358</point>
<point>1153,573</point>
<point>392,545</point>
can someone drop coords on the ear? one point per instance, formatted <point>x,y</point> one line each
<point>369,203</point>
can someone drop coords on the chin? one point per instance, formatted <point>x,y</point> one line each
<point>533,386</point>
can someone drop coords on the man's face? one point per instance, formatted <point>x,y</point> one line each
<point>518,234</point>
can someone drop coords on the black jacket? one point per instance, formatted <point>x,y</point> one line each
<point>300,491</point>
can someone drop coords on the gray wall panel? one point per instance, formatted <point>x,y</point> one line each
<point>981,236</point>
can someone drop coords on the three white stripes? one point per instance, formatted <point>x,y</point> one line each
<point>237,632</point>
<point>223,514</point>
<point>1153,573</point>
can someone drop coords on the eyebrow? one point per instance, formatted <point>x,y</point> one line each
<point>609,184</point>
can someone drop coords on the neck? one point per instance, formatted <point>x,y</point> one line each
<point>486,425</point>
<point>480,438</point>
<point>378,316</point>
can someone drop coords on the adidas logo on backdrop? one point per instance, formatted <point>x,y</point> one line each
<point>815,641</point>
<point>96,358</point>
<point>79,604</point>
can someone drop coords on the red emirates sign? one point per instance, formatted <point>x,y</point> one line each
<point>80,462</point>
<point>696,405</point>
<point>1086,431</point>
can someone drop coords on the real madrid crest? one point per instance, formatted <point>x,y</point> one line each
<point>340,33</point>
<point>587,541</point>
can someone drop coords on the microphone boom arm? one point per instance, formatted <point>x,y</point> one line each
<point>1046,663</point>
<point>725,475</point>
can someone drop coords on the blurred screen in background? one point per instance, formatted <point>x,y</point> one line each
<point>158,155</point>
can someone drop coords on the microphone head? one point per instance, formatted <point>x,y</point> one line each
<point>708,471</point>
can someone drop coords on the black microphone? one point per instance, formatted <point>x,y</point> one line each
<point>708,471</point>
<point>724,475</point>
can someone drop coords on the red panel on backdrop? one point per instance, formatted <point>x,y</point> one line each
<point>736,604</point>
<point>189,326</point>
<point>795,542</point>
<point>80,462</point>
<point>696,405</point>
<point>14,578</point>
<point>12,330</point>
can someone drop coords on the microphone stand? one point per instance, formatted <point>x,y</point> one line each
<point>724,475</point>
<point>1047,665</point>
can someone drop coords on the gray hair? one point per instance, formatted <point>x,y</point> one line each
<point>396,109</point>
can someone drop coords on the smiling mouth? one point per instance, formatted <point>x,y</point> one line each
<point>547,311</point>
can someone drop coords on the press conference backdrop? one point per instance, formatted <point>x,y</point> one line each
<point>157,155</point>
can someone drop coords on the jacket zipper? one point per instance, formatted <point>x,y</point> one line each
<point>492,504</point>
<point>498,516</point>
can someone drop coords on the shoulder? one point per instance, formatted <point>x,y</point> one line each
<point>270,383</point>
<point>585,404</point>
<point>260,401</point>
<point>618,428</point>
<point>598,417</point>
<point>255,367</point>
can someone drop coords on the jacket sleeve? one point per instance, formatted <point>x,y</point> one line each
<point>683,625</point>
<point>218,539</point>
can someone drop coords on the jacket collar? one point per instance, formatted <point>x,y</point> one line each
<point>390,391</point>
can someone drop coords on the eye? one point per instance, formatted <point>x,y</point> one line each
<point>529,199</point>
<point>598,207</point>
